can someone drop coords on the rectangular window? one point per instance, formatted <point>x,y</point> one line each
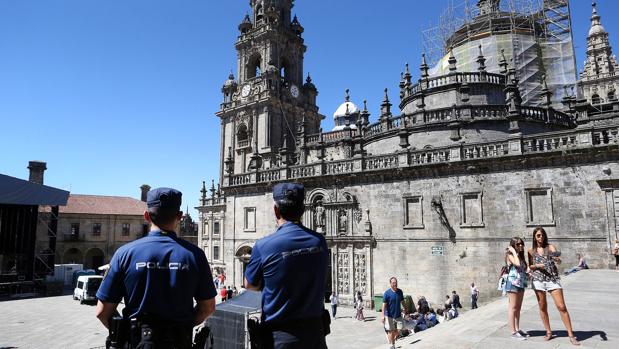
<point>216,253</point>
<point>125,229</point>
<point>249,223</point>
<point>471,210</point>
<point>413,212</point>
<point>75,228</point>
<point>539,207</point>
<point>96,229</point>
<point>216,228</point>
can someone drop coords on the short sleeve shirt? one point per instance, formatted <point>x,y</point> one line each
<point>291,264</point>
<point>159,275</point>
<point>393,300</point>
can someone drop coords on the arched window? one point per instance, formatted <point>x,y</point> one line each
<point>284,70</point>
<point>242,136</point>
<point>611,95</point>
<point>253,67</point>
<point>595,99</point>
<point>259,13</point>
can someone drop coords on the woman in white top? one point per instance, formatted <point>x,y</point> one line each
<point>616,253</point>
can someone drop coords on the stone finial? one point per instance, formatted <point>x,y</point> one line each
<point>385,107</point>
<point>424,67</point>
<point>229,162</point>
<point>452,62</point>
<point>546,93</point>
<point>212,190</point>
<point>368,223</point>
<point>481,61</point>
<point>203,194</point>
<point>503,63</point>
<point>407,75</point>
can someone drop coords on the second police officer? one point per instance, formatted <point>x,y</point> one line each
<point>158,276</point>
<point>290,267</point>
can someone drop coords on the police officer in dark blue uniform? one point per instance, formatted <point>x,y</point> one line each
<point>290,268</point>
<point>159,276</point>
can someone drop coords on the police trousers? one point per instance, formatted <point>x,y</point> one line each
<point>306,334</point>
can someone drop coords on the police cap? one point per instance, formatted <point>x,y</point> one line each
<point>164,198</point>
<point>290,191</point>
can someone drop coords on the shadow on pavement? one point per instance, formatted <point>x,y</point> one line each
<point>581,335</point>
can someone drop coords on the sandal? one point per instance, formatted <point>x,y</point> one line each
<point>548,336</point>
<point>574,341</point>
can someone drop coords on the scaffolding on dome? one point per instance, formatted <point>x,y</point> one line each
<point>535,35</point>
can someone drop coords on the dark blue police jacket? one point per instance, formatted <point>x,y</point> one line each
<point>158,275</point>
<point>292,266</point>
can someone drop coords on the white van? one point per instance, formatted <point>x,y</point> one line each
<point>86,288</point>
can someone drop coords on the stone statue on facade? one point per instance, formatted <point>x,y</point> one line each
<point>342,222</point>
<point>319,217</point>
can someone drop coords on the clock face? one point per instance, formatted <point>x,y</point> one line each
<point>294,91</point>
<point>246,91</point>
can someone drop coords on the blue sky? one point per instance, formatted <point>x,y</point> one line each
<point>113,94</point>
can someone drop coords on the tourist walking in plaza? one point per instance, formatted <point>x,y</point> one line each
<point>515,285</point>
<point>616,253</point>
<point>391,313</point>
<point>333,299</point>
<point>474,295</point>
<point>359,306</point>
<point>223,293</point>
<point>543,259</point>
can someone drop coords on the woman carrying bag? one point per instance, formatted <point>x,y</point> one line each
<point>515,285</point>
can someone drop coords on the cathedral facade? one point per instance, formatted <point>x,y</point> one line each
<point>430,196</point>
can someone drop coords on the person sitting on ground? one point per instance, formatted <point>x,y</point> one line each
<point>582,264</point>
<point>431,319</point>
<point>452,313</point>
<point>421,323</point>
<point>440,316</point>
<point>423,306</point>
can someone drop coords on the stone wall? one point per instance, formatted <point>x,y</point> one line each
<point>483,211</point>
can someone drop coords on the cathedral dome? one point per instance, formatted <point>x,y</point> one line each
<point>345,107</point>
<point>596,23</point>
<point>230,82</point>
<point>596,30</point>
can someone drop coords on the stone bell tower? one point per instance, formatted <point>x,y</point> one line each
<point>269,107</point>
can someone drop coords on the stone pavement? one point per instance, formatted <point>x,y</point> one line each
<point>591,296</point>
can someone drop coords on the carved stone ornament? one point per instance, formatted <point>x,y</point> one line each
<point>342,226</point>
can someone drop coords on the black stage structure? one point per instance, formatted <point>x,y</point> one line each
<point>22,269</point>
<point>229,322</point>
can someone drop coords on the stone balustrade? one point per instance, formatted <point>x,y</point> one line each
<point>445,115</point>
<point>456,78</point>
<point>508,147</point>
